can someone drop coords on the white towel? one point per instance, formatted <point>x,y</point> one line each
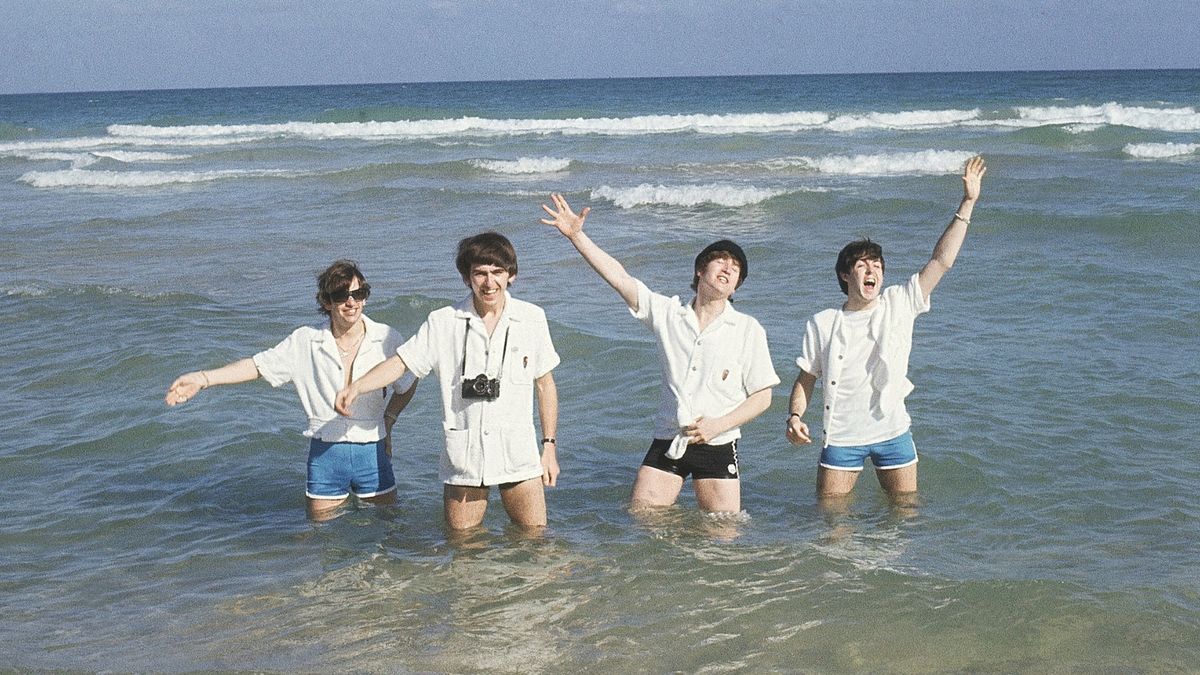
<point>678,447</point>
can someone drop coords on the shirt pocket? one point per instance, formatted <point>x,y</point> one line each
<point>455,459</point>
<point>727,382</point>
<point>519,365</point>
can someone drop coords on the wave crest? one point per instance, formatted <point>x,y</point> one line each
<point>523,165</point>
<point>1160,150</point>
<point>685,195</point>
<point>887,164</point>
<point>132,179</point>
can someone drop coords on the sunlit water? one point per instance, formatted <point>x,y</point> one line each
<point>150,233</point>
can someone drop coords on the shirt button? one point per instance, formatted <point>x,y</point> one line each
<point>827,407</point>
<point>832,383</point>
<point>486,433</point>
<point>840,356</point>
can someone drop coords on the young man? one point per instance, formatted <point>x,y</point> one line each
<point>349,454</point>
<point>861,352</point>
<point>716,370</point>
<point>489,353</point>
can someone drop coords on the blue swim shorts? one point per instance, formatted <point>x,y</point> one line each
<point>337,469</point>
<point>890,454</point>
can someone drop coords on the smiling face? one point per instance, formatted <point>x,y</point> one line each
<point>719,277</point>
<point>343,315</point>
<point>488,283</point>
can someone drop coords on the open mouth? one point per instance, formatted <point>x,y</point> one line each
<point>869,283</point>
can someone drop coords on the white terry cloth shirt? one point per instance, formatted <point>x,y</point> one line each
<point>487,442</point>
<point>309,359</point>
<point>704,374</point>
<point>884,384</point>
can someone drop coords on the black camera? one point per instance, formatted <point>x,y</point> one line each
<point>482,387</point>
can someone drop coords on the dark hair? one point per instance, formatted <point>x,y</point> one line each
<point>486,248</point>
<point>861,249</point>
<point>337,277</point>
<point>721,249</point>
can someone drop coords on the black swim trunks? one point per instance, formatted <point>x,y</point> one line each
<point>700,460</point>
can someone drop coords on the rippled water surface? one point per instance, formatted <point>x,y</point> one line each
<point>150,233</point>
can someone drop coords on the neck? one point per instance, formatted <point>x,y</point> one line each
<point>858,304</point>
<point>489,311</point>
<point>708,307</point>
<point>340,329</point>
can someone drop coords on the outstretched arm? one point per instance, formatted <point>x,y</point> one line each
<point>376,378</point>
<point>951,240</point>
<point>571,226</point>
<point>797,430</point>
<point>189,384</point>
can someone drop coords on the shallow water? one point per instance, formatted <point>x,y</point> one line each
<point>1055,408</point>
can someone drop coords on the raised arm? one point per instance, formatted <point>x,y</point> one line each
<point>189,384</point>
<point>570,225</point>
<point>376,378</point>
<point>951,240</point>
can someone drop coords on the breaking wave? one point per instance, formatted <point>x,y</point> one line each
<point>133,179</point>
<point>524,165</point>
<point>886,164</point>
<point>1160,150</point>
<point>685,195</point>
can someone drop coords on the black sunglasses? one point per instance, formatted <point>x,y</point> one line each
<point>361,293</point>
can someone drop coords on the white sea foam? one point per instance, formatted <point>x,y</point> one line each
<point>128,156</point>
<point>1160,150</point>
<point>886,164</point>
<point>1159,119</point>
<point>912,119</point>
<point>685,195</point>
<point>523,165</point>
<point>131,179</point>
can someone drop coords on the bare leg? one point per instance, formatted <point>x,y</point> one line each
<point>835,482</point>
<point>385,499</point>
<point>323,509</point>
<point>464,505</point>
<point>525,503</point>
<point>654,487</point>
<point>900,484</point>
<point>719,495</point>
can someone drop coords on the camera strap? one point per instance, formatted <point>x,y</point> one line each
<point>503,354</point>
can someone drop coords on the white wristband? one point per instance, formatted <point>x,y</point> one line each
<point>959,216</point>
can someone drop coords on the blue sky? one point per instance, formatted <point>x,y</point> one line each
<point>86,45</point>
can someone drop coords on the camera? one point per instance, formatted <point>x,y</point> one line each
<point>481,387</point>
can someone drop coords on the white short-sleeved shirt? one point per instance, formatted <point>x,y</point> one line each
<point>878,376</point>
<point>704,374</point>
<point>487,442</point>
<point>309,359</point>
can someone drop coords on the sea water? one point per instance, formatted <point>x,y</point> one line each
<point>150,233</point>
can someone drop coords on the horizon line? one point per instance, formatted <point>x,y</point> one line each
<point>590,79</point>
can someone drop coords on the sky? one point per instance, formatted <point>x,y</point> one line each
<point>94,45</point>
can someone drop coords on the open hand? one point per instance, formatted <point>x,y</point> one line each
<point>563,218</point>
<point>184,388</point>
<point>973,177</point>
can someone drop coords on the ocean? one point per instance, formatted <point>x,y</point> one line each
<point>150,233</point>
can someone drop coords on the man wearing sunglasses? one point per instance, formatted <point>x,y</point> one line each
<point>347,454</point>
